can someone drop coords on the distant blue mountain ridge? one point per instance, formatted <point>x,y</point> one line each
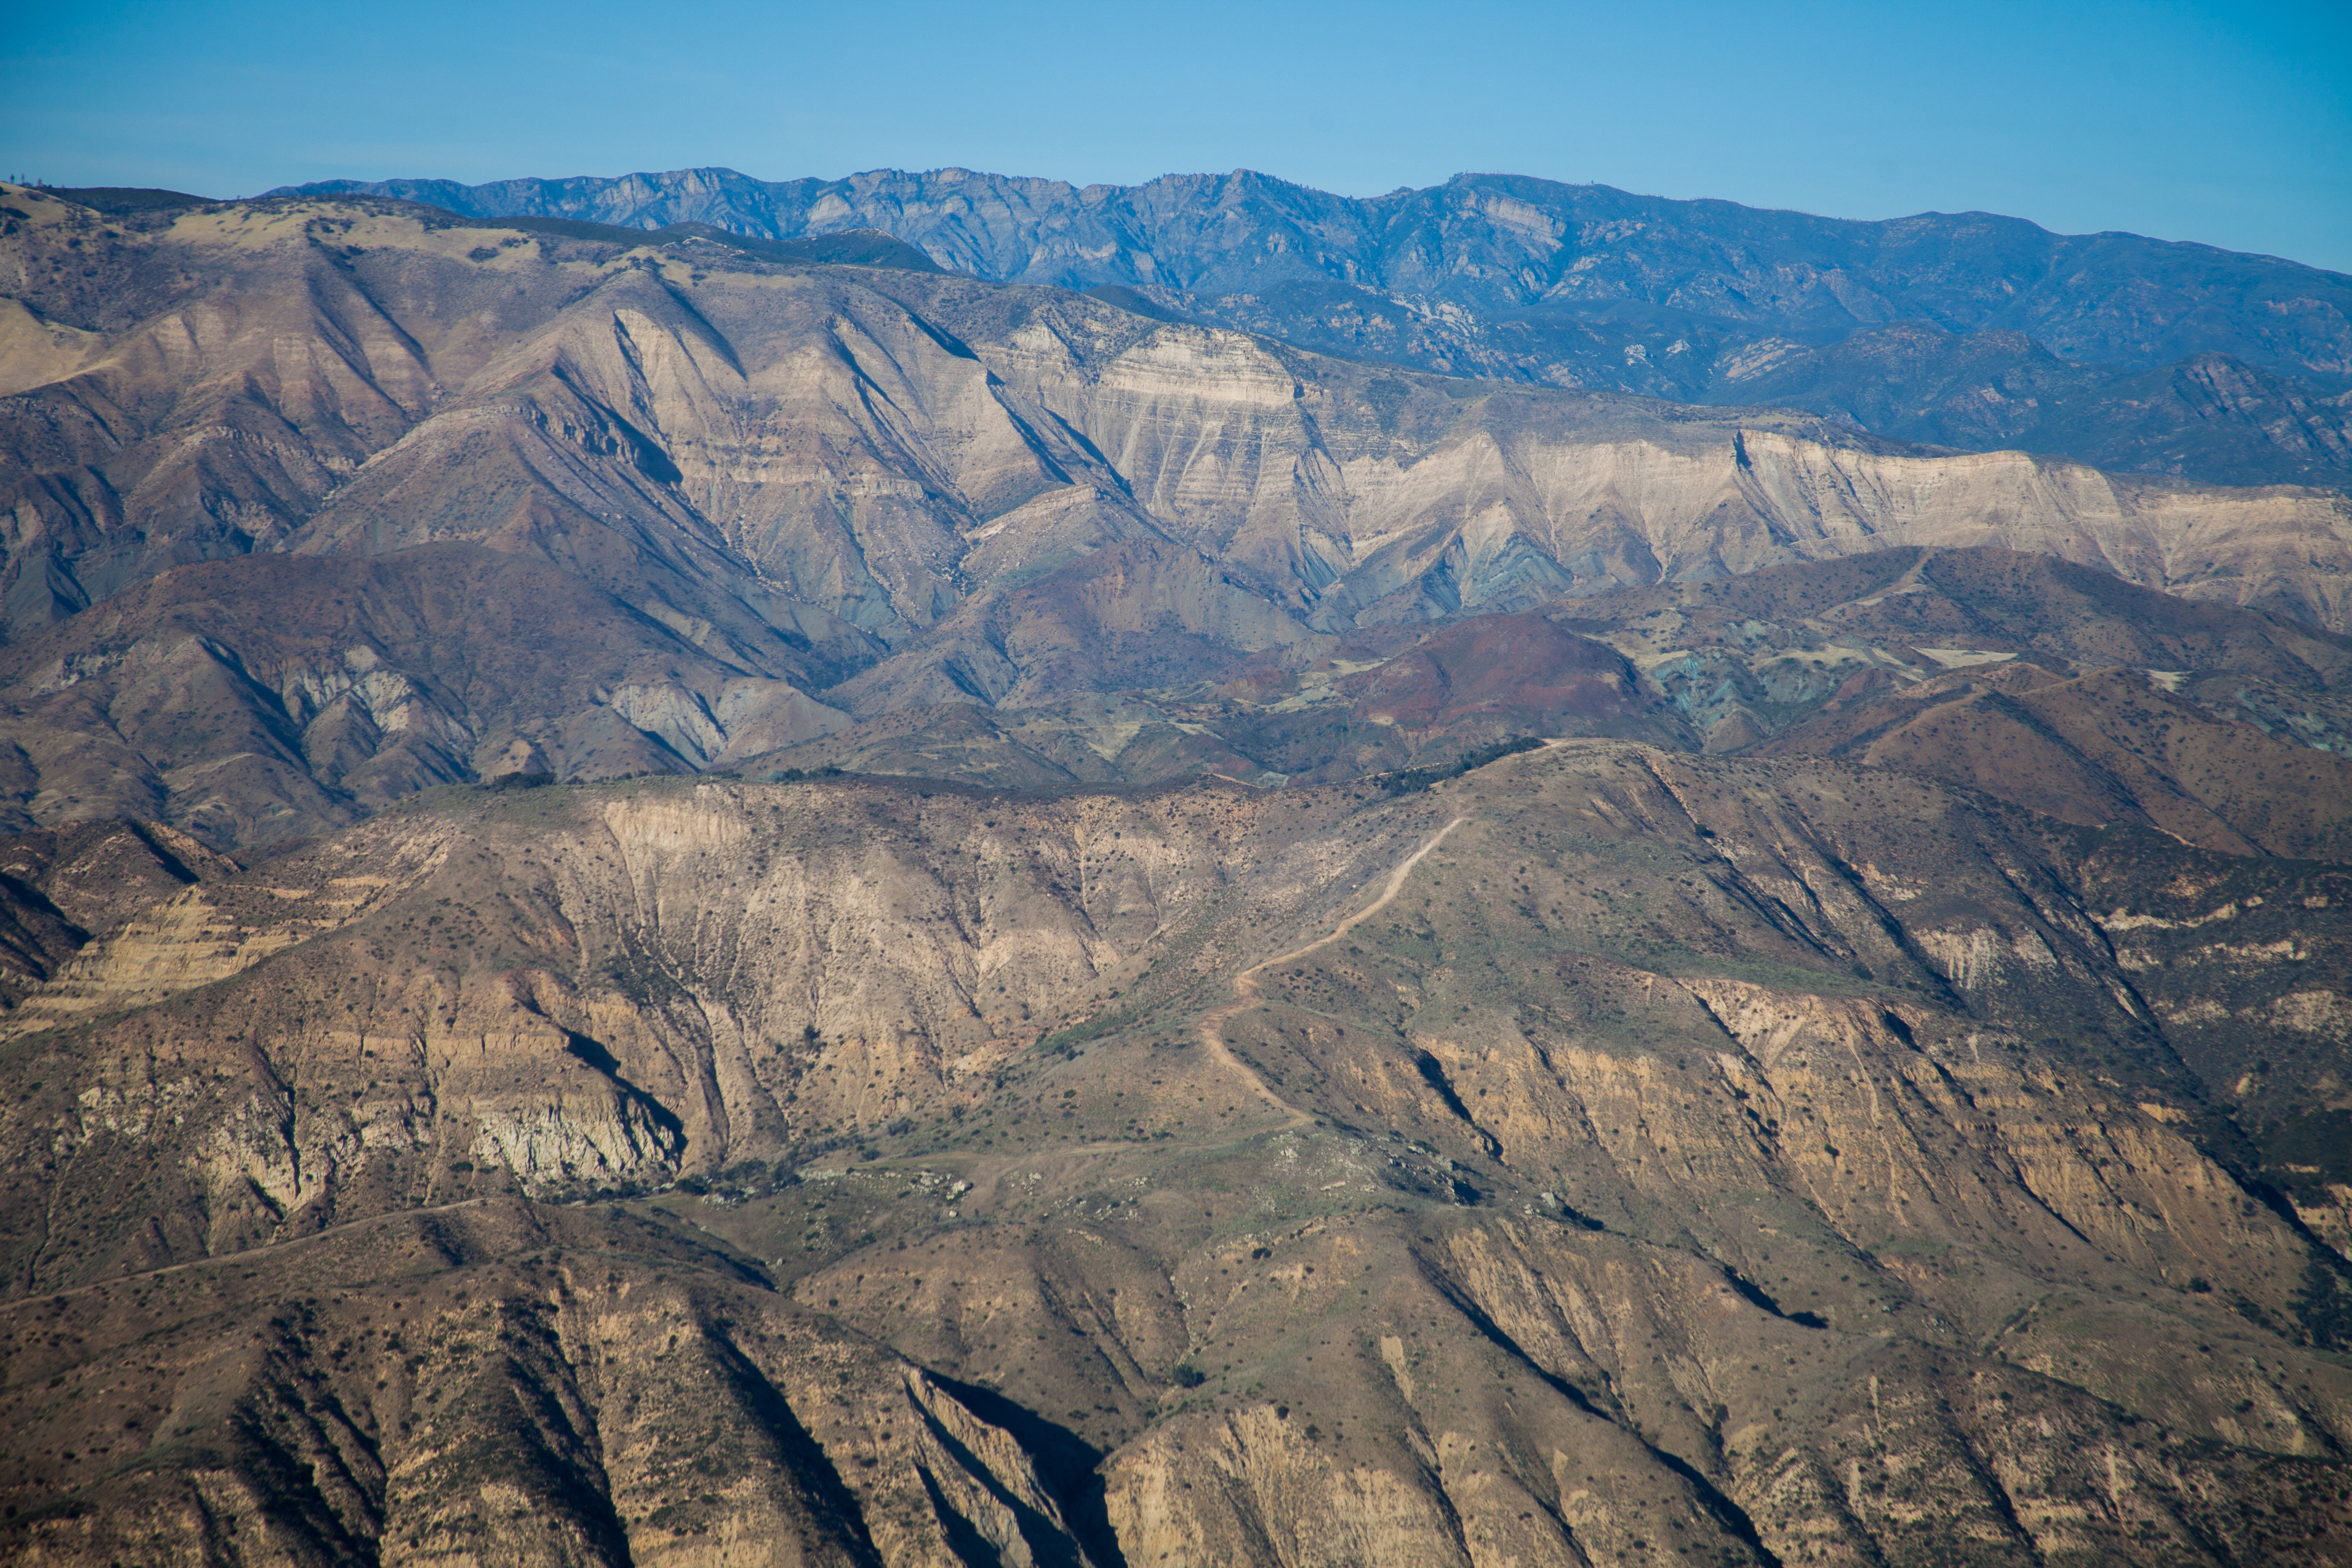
<point>1966,329</point>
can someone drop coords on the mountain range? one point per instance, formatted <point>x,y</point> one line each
<point>759,882</point>
<point>772,494</point>
<point>1965,329</point>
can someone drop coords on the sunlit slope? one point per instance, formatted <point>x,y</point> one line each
<point>1787,1157</point>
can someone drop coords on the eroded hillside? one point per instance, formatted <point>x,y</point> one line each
<point>2054,686</point>
<point>1964,329</point>
<point>684,501</point>
<point>1610,1154</point>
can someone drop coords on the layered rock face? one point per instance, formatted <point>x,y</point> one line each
<point>1499,245</point>
<point>1453,972</point>
<point>2209,416</point>
<point>557,504</point>
<point>1612,1153</point>
<point>1967,329</point>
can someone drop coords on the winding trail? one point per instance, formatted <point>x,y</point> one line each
<point>1245,985</point>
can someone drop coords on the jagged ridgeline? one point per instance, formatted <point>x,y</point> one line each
<point>1967,330</point>
<point>1602,1154</point>
<point>368,497</point>
<point>680,897</point>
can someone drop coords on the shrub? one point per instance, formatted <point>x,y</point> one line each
<point>1413,779</point>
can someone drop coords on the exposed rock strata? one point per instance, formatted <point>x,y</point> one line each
<point>1500,272</point>
<point>1755,1157</point>
<point>690,504</point>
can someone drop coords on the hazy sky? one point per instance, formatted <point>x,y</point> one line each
<point>2226,123</point>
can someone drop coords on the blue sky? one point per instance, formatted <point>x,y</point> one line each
<point>2229,124</point>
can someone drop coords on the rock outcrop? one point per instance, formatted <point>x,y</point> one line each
<point>1964,329</point>
<point>1766,1159</point>
<point>545,503</point>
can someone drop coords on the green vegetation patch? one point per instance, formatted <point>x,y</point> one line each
<point>1413,779</point>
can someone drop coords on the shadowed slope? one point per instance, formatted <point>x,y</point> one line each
<point>1967,330</point>
<point>257,699</point>
<point>2110,747</point>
